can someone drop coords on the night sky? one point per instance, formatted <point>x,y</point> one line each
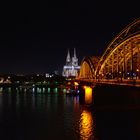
<point>34,37</point>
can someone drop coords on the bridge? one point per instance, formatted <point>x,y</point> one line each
<point>120,63</point>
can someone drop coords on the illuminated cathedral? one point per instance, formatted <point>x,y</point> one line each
<point>71,68</point>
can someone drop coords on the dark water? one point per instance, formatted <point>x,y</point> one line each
<point>57,116</point>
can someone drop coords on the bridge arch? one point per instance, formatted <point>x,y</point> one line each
<point>122,56</point>
<point>87,69</point>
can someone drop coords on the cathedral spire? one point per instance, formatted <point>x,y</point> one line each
<point>74,59</point>
<point>68,59</point>
<point>74,53</point>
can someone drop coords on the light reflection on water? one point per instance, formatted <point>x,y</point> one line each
<point>88,95</point>
<point>52,116</point>
<point>42,116</point>
<point>86,126</point>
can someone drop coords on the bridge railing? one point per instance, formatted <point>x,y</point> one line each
<point>131,82</point>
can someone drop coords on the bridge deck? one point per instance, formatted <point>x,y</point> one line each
<point>133,83</point>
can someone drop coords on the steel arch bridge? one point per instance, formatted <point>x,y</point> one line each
<point>88,68</point>
<point>121,60</point>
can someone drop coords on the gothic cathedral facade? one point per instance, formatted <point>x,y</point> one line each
<point>71,68</point>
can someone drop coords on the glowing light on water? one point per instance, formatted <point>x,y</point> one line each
<point>86,126</point>
<point>49,90</point>
<point>38,90</point>
<point>55,90</point>
<point>17,90</point>
<point>9,89</point>
<point>1,89</point>
<point>33,90</point>
<point>64,90</point>
<point>43,90</point>
<point>88,95</point>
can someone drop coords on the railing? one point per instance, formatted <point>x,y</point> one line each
<point>132,82</point>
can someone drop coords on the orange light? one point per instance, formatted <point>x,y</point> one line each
<point>69,83</point>
<point>84,87</point>
<point>88,95</point>
<point>76,84</point>
<point>86,125</point>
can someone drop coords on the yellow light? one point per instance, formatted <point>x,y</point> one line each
<point>76,84</point>
<point>86,125</point>
<point>84,87</point>
<point>88,95</point>
<point>69,83</point>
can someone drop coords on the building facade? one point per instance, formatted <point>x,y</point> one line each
<point>71,68</point>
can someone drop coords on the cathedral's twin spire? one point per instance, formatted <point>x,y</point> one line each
<point>68,58</point>
<point>74,53</point>
<point>71,68</point>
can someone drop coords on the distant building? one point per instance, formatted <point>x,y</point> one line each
<point>71,67</point>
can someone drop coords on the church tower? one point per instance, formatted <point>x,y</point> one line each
<point>71,68</point>
<point>74,59</point>
<point>68,59</point>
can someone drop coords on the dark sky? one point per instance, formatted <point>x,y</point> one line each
<point>34,37</point>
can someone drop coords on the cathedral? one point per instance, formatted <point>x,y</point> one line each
<point>71,67</point>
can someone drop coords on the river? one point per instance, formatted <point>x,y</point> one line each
<point>57,116</point>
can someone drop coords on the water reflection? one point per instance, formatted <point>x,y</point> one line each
<point>88,95</point>
<point>86,126</point>
<point>49,90</point>
<point>41,115</point>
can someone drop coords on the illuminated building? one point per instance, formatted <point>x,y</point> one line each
<point>71,68</point>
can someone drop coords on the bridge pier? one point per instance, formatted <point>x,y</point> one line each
<point>86,98</point>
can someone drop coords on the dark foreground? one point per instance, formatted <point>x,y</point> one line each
<point>40,116</point>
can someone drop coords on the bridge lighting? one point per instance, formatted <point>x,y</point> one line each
<point>137,73</point>
<point>120,61</point>
<point>88,95</point>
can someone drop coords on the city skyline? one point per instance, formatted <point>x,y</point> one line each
<point>35,38</point>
